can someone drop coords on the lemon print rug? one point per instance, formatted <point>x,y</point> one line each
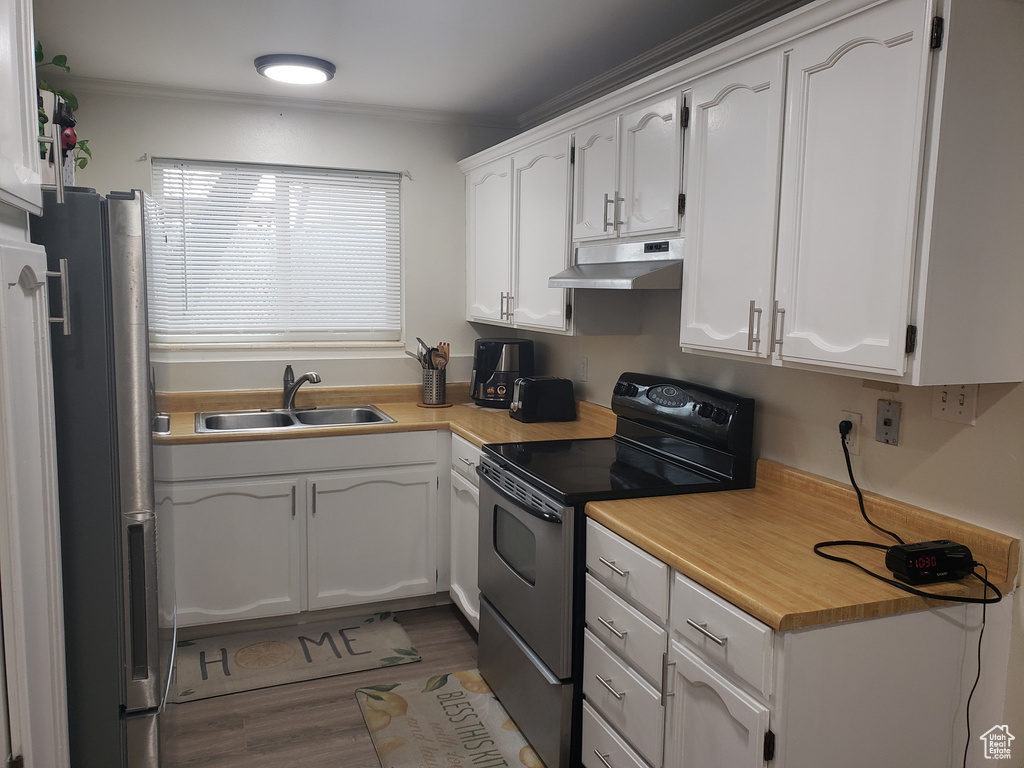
<point>213,666</point>
<point>452,720</point>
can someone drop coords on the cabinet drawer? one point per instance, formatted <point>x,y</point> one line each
<point>625,699</point>
<point>465,458</point>
<point>602,746</point>
<point>628,570</point>
<point>725,635</point>
<point>621,627</point>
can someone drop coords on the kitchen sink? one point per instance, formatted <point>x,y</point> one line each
<point>253,421</point>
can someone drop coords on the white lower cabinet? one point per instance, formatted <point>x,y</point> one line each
<point>711,722</point>
<point>465,523</point>
<point>371,535</point>
<point>239,548</point>
<point>735,693</point>
<point>263,528</point>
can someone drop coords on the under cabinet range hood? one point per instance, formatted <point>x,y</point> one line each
<point>655,264</point>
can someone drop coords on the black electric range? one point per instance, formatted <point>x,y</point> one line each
<point>671,437</point>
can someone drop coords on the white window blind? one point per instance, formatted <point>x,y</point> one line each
<point>251,253</point>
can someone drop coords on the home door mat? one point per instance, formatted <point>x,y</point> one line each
<point>452,720</point>
<point>214,666</point>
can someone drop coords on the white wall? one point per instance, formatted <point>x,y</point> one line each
<point>974,473</point>
<point>125,130</point>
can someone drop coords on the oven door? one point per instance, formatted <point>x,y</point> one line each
<point>526,566</point>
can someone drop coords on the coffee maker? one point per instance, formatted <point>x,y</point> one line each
<point>497,363</point>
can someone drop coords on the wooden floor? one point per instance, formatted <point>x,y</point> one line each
<point>310,724</point>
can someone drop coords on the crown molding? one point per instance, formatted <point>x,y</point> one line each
<point>124,88</point>
<point>719,29</point>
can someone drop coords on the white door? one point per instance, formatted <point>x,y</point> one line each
<point>595,181</point>
<point>732,181</point>
<point>371,535</point>
<point>850,178</point>
<point>19,126</point>
<point>489,217</point>
<point>30,567</point>
<point>239,547</point>
<point>710,722</point>
<point>650,175</point>
<point>541,241</point>
<point>465,509</point>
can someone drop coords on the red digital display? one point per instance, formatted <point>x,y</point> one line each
<point>928,561</point>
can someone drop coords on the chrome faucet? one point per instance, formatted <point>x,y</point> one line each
<point>291,385</point>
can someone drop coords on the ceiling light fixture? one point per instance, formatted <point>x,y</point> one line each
<point>292,68</point>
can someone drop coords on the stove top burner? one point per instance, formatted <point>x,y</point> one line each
<point>671,437</point>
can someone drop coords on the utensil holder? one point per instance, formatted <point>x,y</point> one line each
<point>433,386</point>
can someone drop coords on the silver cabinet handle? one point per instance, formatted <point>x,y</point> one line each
<point>617,220</point>
<point>608,200</point>
<point>702,627</point>
<point>778,315</point>
<point>665,664</point>
<point>58,156</point>
<point>65,297</point>
<point>608,684</point>
<point>753,337</point>
<point>608,625</point>
<point>604,759</point>
<point>611,564</point>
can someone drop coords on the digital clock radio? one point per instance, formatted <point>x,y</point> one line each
<point>929,562</point>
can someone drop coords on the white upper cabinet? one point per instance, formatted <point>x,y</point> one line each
<point>19,150</point>
<point>848,193</point>
<point>628,173</point>
<point>488,222</point>
<point>851,172</point>
<point>541,233</point>
<point>732,172</point>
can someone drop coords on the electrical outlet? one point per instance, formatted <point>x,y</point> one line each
<point>853,438</point>
<point>583,369</point>
<point>956,403</point>
<point>887,422</point>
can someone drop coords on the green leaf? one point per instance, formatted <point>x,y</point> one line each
<point>60,60</point>
<point>406,651</point>
<point>39,52</point>
<point>390,661</point>
<point>438,681</point>
<point>69,97</point>
<point>383,688</point>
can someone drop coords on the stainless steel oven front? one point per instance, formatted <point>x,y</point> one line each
<point>527,582</point>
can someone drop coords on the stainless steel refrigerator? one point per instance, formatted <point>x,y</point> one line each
<point>118,604</point>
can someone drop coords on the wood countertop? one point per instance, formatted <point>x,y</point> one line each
<point>464,418</point>
<point>754,547</point>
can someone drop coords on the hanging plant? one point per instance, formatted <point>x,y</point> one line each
<point>66,105</point>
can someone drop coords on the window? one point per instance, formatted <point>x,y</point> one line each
<point>259,253</point>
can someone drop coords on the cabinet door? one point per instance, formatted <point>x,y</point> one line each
<point>19,150</point>
<point>541,241</point>
<point>732,181</point>
<point>710,723</point>
<point>465,524</point>
<point>239,549</point>
<point>595,181</point>
<point>850,182</point>
<point>488,217</point>
<point>650,175</point>
<point>371,536</point>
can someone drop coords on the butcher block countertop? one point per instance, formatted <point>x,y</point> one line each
<point>754,547</point>
<point>464,418</point>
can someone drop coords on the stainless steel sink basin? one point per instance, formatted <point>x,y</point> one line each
<point>356,414</point>
<point>254,421</point>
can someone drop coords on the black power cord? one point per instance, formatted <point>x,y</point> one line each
<point>844,429</point>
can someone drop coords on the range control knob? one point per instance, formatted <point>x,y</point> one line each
<point>704,410</point>
<point>626,389</point>
<point>720,416</point>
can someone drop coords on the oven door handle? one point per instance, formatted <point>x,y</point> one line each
<point>546,515</point>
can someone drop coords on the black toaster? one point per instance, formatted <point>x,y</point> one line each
<point>542,398</point>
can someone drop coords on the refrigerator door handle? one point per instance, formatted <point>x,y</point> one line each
<point>142,663</point>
